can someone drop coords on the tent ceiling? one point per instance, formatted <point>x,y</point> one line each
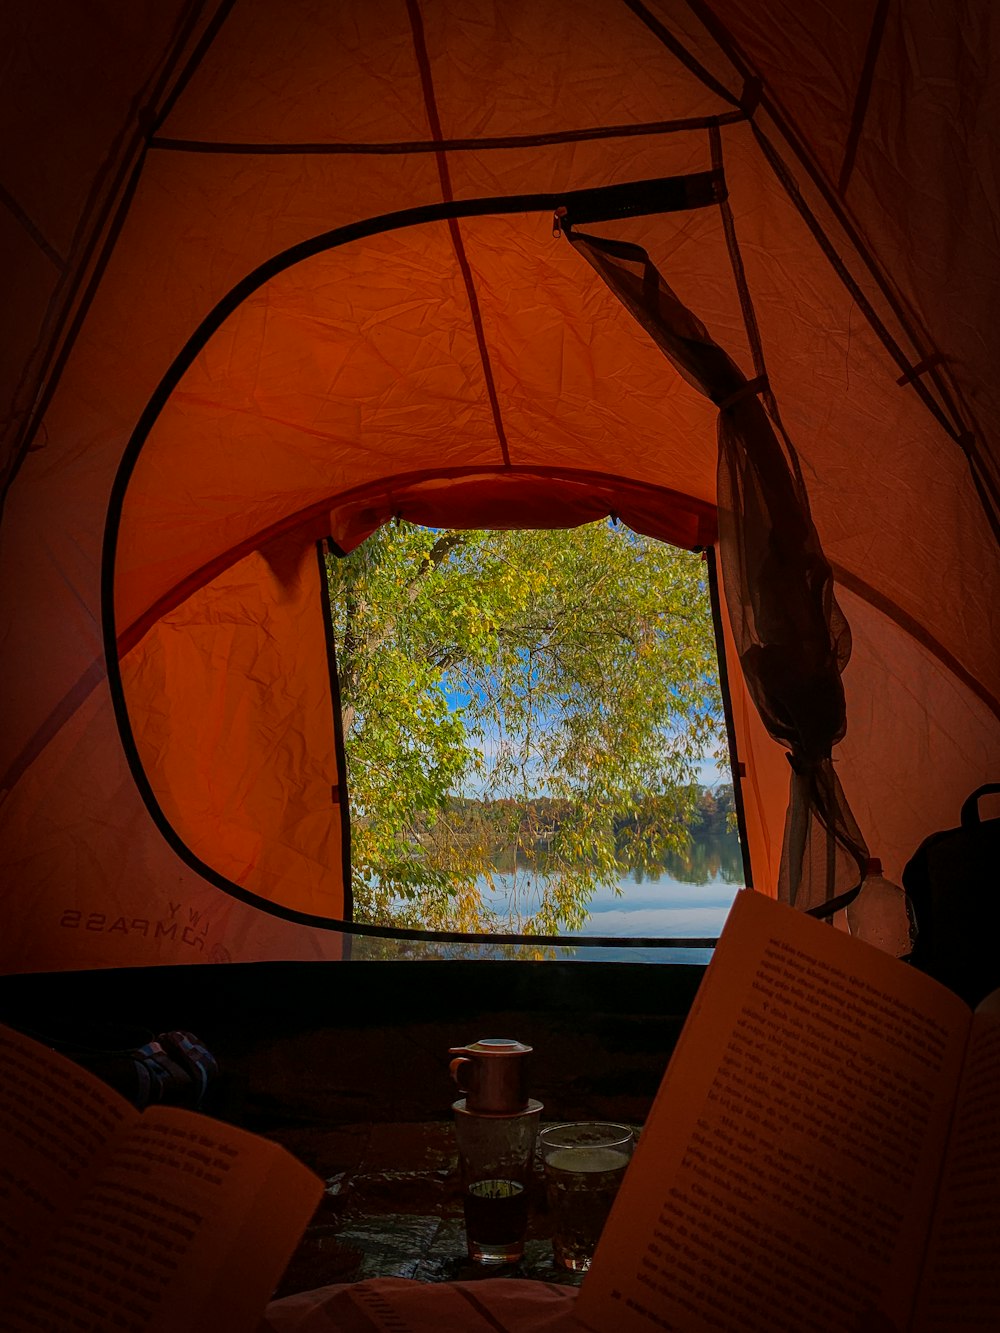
<point>363,364</point>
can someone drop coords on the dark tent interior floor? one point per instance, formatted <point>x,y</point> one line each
<point>346,1065</point>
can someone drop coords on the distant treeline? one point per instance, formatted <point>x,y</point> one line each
<point>713,814</point>
<point>715,811</point>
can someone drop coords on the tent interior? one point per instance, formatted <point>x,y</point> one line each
<point>277,274</point>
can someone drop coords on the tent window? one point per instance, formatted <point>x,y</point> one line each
<point>534,733</point>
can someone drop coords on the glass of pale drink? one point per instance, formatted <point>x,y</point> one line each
<point>584,1163</point>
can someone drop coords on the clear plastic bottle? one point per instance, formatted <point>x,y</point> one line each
<point>882,915</point>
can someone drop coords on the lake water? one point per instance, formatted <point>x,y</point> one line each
<point>688,898</point>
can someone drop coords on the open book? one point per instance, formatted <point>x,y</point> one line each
<point>146,1223</point>
<point>823,1155</point>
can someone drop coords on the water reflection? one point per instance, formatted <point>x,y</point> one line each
<point>688,896</point>
<point>714,857</point>
<point>711,859</point>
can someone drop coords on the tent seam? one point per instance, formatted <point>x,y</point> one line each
<point>34,232</point>
<point>430,105</point>
<point>909,625</point>
<point>486,143</point>
<point>680,51</point>
<point>863,93</point>
<point>750,325</point>
<point>70,322</point>
<point>956,431</point>
<point>191,66</point>
<point>918,337</point>
<point>65,323</point>
<point>891,345</point>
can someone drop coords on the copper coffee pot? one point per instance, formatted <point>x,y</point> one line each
<point>496,1124</point>
<point>491,1073</point>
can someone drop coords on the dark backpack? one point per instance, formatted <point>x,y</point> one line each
<point>953,880</point>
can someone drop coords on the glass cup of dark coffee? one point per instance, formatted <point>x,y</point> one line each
<point>496,1154</point>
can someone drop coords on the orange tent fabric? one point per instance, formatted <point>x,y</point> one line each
<point>276,272</point>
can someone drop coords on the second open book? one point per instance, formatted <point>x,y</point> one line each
<point>823,1154</point>
<point>116,1221</point>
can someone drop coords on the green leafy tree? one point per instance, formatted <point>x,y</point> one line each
<point>531,701</point>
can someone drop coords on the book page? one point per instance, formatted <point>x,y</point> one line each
<point>784,1179</point>
<point>961,1285</point>
<point>56,1122</point>
<point>189,1226</point>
